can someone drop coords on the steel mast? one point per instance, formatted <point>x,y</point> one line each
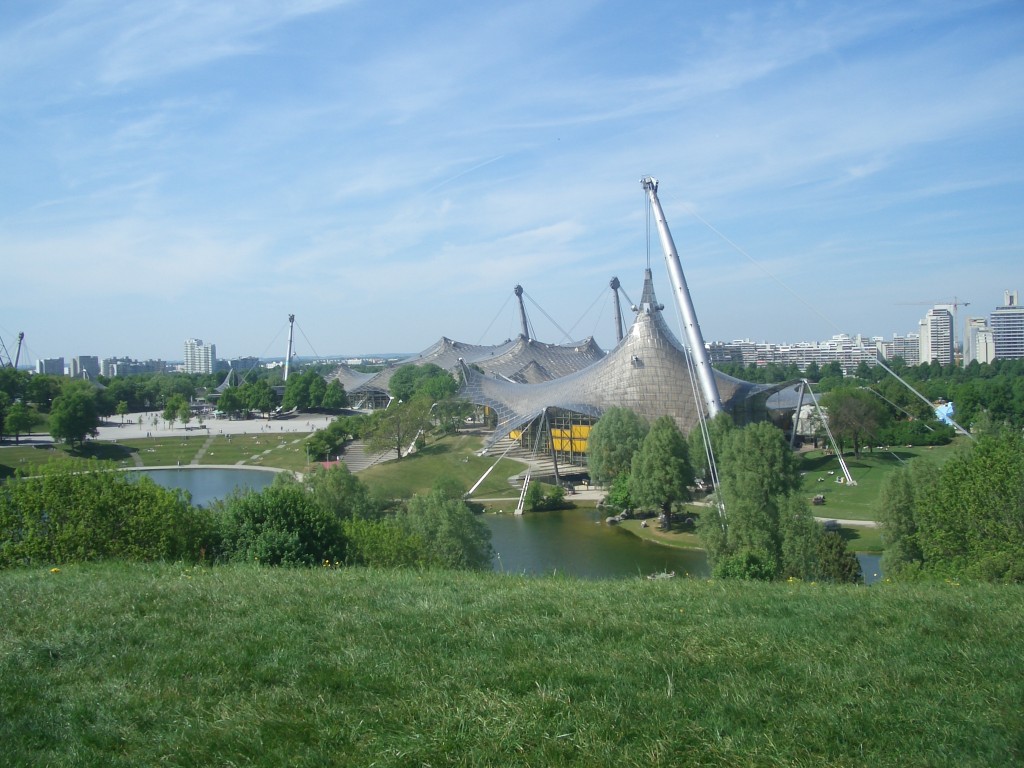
<point>518,291</point>
<point>705,376</point>
<point>288,358</point>
<point>614,285</point>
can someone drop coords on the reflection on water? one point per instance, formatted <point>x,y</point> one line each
<point>577,542</point>
<point>870,567</point>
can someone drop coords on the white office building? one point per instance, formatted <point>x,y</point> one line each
<point>979,344</point>
<point>1007,324</point>
<point>200,357</point>
<point>936,338</point>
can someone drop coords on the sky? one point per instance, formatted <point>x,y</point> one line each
<point>389,171</point>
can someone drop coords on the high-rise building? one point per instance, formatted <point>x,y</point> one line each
<point>906,347</point>
<point>85,367</point>
<point>978,342</point>
<point>199,357</point>
<point>936,342</point>
<point>53,366</point>
<point>1007,323</point>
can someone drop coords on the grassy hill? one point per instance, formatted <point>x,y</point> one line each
<point>110,664</point>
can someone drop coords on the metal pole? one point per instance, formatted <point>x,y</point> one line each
<point>288,357</point>
<point>694,339</point>
<point>618,310</point>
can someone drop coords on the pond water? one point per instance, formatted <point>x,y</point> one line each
<point>577,542</point>
<point>573,542</point>
<point>206,485</point>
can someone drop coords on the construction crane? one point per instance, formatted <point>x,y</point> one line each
<point>955,303</point>
<point>17,355</point>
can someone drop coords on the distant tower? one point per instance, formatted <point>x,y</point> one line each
<point>200,357</point>
<point>937,335</point>
<point>288,356</point>
<point>1007,323</point>
<point>979,344</point>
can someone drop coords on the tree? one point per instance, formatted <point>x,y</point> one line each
<point>335,397</point>
<point>14,383</point>
<point>304,391</point>
<point>854,415</point>
<point>717,430</point>
<point>43,389</point>
<point>896,513</point>
<point>317,390</point>
<point>73,414</point>
<point>452,536</point>
<point>19,419</point>
<point>121,409</point>
<point>257,396</point>
<point>836,563</point>
<point>968,518</point>
<point>184,412</point>
<point>451,413</point>
<point>766,530</point>
<point>661,471</point>
<point>394,428</point>
<point>338,491</point>
<point>173,409</point>
<point>281,525</point>
<point>613,441</point>
<point>74,511</point>
<point>230,402</point>
<point>431,380</point>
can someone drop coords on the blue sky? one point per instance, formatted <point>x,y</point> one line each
<point>388,171</point>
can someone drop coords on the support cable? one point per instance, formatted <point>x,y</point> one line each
<point>824,422</point>
<point>799,298</point>
<point>551,319</point>
<point>500,311</point>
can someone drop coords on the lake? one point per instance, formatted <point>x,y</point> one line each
<point>572,542</point>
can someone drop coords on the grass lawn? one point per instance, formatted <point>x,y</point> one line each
<point>452,456</point>
<point>285,451</point>
<point>119,665</point>
<point>25,457</point>
<point>870,470</point>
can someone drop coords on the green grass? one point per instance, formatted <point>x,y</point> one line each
<point>27,457</point>
<point>285,451</point>
<point>869,470</point>
<point>113,665</point>
<point>452,456</point>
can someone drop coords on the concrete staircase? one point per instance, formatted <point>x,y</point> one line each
<point>540,466</point>
<point>357,458</point>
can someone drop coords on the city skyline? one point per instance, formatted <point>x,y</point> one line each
<point>389,173</point>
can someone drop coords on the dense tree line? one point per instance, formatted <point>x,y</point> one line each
<point>964,519</point>
<point>73,512</point>
<point>978,389</point>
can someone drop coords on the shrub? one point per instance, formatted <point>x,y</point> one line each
<point>75,511</point>
<point>281,525</point>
